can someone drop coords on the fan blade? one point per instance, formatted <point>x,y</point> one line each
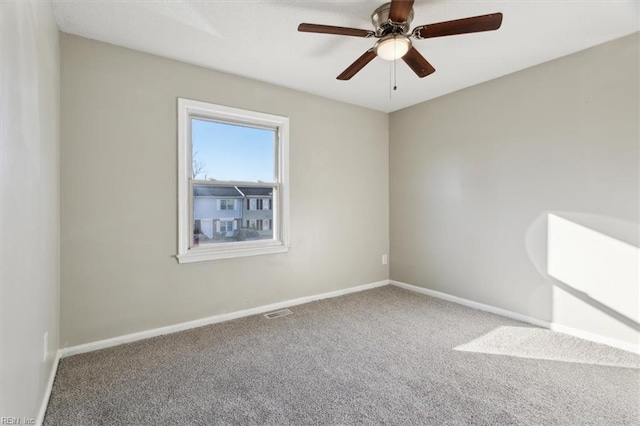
<point>475,24</point>
<point>418,63</point>
<point>357,65</point>
<point>329,29</point>
<point>400,10</point>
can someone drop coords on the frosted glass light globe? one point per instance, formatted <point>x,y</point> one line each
<point>392,47</point>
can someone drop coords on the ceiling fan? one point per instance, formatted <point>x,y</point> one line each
<point>391,22</point>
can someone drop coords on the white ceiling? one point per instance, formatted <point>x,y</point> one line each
<point>259,40</point>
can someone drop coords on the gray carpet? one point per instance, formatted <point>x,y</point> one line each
<point>381,356</point>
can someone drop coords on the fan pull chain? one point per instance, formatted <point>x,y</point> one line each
<point>395,61</point>
<point>395,74</point>
<point>390,78</point>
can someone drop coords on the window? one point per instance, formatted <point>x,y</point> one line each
<point>232,171</point>
<point>226,226</point>
<point>227,205</point>
<point>259,204</point>
<point>263,224</point>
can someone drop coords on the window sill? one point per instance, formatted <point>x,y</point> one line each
<point>204,255</point>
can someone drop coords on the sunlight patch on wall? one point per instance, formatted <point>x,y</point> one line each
<point>602,269</point>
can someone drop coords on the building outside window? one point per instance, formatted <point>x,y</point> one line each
<point>233,189</point>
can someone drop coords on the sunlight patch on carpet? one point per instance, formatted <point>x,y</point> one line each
<point>538,343</point>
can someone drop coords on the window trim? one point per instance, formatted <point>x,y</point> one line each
<point>188,108</point>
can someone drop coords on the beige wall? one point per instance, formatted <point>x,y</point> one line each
<point>473,177</point>
<point>474,174</point>
<point>119,200</point>
<point>29,224</point>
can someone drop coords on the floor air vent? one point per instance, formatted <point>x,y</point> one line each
<point>277,314</point>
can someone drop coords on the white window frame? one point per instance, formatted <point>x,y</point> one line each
<point>188,253</point>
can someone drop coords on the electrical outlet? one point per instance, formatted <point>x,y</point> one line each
<point>45,344</point>
<point>384,259</point>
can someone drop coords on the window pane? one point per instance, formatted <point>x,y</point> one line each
<point>233,221</point>
<point>232,152</point>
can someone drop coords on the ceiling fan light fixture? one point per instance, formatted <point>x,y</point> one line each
<point>392,47</point>
<point>391,22</point>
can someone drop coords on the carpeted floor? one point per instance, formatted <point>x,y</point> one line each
<point>381,356</point>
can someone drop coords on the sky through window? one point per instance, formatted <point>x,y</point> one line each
<point>232,152</point>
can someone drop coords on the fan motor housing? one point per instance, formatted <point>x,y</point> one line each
<point>382,24</point>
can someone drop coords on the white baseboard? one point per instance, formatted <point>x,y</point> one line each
<point>597,338</point>
<point>128,338</point>
<point>472,304</point>
<point>47,391</point>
